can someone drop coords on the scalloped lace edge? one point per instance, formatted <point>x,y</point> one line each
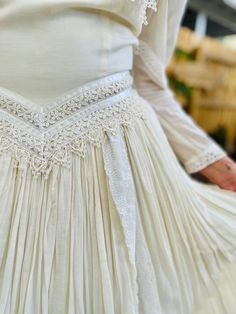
<point>145,4</point>
<point>74,139</point>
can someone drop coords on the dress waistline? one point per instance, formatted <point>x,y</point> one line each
<point>41,136</point>
<point>42,116</point>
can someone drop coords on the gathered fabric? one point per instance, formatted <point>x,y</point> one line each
<point>54,57</point>
<point>97,213</point>
<point>120,229</point>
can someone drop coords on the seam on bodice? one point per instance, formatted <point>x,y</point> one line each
<point>47,136</point>
<point>152,62</point>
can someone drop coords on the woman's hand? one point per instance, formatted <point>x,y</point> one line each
<point>222,173</point>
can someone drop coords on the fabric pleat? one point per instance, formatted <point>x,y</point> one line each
<point>189,227</point>
<point>63,246</point>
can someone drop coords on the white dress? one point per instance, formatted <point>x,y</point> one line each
<point>97,215</point>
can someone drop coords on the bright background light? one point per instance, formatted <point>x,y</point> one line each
<point>231,3</point>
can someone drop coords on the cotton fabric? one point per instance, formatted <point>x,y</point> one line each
<point>124,229</point>
<point>110,31</point>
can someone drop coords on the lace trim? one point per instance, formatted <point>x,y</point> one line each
<point>213,153</point>
<point>152,4</point>
<point>47,136</point>
<point>122,187</point>
<point>41,155</point>
<point>63,108</point>
<point>152,62</point>
<point>146,277</point>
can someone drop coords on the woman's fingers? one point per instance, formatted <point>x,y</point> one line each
<point>222,173</point>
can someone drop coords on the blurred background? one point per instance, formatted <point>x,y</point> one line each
<point>202,72</point>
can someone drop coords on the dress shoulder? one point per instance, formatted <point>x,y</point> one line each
<point>145,4</point>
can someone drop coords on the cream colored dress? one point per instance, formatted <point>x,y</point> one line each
<point>98,213</point>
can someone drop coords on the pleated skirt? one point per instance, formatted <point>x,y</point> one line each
<point>116,234</point>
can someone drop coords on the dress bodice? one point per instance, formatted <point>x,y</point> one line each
<point>48,51</point>
<point>50,47</point>
<point>47,34</point>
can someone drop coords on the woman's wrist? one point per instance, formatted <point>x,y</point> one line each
<point>222,172</point>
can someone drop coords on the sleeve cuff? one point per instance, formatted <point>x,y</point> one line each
<point>213,153</point>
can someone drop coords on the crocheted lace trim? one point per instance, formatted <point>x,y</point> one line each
<point>63,107</point>
<point>152,4</point>
<point>212,154</point>
<point>152,63</point>
<point>43,138</point>
<point>122,187</point>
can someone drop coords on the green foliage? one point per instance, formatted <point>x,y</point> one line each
<point>220,135</point>
<point>180,87</point>
<point>176,85</point>
<point>184,55</point>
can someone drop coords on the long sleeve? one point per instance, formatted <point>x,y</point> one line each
<point>192,145</point>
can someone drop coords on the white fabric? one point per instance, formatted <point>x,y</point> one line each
<point>41,137</point>
<point>111,29</point>
<point>194,148</point>
<point>117,226</point>
<point>50,134</point>
<point>50,61</point>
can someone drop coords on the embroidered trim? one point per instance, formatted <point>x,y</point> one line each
<point>65,108</point>
<point>213,153</point>
<point>42,139</point>
<point>152,4</point>
<point>152,63</point>
<point>146,278</point>
<point>122,187</point>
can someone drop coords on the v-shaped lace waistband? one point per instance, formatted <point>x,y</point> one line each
<point>43,136</point>
<point>42,117</point>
